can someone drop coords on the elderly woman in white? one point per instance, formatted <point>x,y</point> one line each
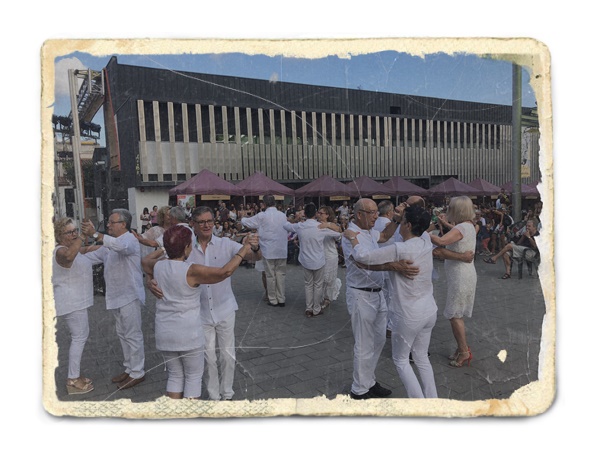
<point>72,280</point>
<point>412,311</point>
<point>178,328</point>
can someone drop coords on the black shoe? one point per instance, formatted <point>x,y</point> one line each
<point>272,304</point>
<point>281,305</point>
<point>377,391</point>
<point>364,396</point>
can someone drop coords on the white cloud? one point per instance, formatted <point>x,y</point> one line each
<point>61,78</point>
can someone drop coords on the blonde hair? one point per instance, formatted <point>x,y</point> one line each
<point>60,225</point>
<point>461,209</point>
<point>162,213</point>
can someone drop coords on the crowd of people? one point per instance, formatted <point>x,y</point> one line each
<point>185,257</point>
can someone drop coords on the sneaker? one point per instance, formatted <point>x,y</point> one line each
<point>364,396</point>
<point>377,391</point>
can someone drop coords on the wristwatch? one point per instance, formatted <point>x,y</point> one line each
<point>95,236</point>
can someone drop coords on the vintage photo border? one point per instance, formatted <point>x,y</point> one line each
<point>529,400</point>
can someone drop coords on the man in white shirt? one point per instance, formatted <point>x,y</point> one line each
<point>273,240</point>
<point>218,305</point>
<point>366,302</point>
<point>125,293</point>
<point>312,257</point>
<point>343,210</point>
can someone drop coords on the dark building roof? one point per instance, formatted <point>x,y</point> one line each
<point>149,84</point>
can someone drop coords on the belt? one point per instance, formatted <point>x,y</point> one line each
<point>368,289</point>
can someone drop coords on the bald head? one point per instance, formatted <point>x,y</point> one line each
<point>416,201</point>
<point>365,213</point>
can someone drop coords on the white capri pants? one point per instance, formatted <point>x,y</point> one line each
<point>78,325</point>
<point>185,371</point>
<point>407,337</point>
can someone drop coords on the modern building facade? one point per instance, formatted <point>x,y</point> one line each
<point>164,126</point>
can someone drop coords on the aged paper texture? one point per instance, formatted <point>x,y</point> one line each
<point>531,398</point>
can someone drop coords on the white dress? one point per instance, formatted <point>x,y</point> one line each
<point>461,276</point>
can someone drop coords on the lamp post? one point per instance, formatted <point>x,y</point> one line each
<point>516,140</point>
<point>76,146</point>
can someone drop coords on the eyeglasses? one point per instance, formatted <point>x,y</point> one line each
<point>71,232</point>
<point>114,222</point>
<point>209,222</point>
<point>373,213</point>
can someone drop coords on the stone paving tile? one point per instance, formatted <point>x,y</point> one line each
<point>282,354</point>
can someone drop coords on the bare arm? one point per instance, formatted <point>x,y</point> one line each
<point>66,255</point>
<point>330,225</point>
<point>451,237</point>
<point>444,253</point>
<point>198,274</point>
<point>148,262</point>
<point>145,241</point>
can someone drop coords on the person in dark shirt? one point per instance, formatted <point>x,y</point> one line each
<point>516,250</point>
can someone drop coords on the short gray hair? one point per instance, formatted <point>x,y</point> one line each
<point>200,210</point>
<point>178,213</point>
<point>125,215</point>
<point>385,207</point>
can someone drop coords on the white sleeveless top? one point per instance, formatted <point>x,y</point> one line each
<point>73,287</point>
<point>177,317</point>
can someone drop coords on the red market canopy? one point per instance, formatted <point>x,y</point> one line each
<point>206,183</point>
<point>399,186</point>
<point>324,186</point>
<point>485,188</point>
<point>453,187</point>
<point>259,184</point>
<point>365,186</point>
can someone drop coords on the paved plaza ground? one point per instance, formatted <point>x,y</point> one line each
<point>283,354</point>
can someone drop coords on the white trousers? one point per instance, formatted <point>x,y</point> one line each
<point>222,334</point>
<point>368,315</point>
<point>128,329</point>
<point>185,370</point>
<point>414,337</point>
<point>78,325</point>
<point>314,289</point>
<point>275,275</point>
<point>329,278</point>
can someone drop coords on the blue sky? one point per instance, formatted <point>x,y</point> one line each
<point>456,77</point>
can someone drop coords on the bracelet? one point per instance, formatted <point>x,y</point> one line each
<point>240,256</point>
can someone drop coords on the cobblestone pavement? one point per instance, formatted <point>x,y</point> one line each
<point>283,354</point>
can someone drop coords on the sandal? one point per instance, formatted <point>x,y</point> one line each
<point>489,261</point>
<point>467,360</point>
<point>505,276</point>
<point>78,386</point>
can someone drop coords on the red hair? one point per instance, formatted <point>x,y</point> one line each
<point>176,239</point>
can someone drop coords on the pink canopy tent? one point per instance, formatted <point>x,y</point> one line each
<point>365,186</point>
<point>525,190</point>
<point>206,183</point>
<point>324,186</point>
<point>453,187</point>
<point>259,184</point>
<point>400,186</point>
<point>485,188</point>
